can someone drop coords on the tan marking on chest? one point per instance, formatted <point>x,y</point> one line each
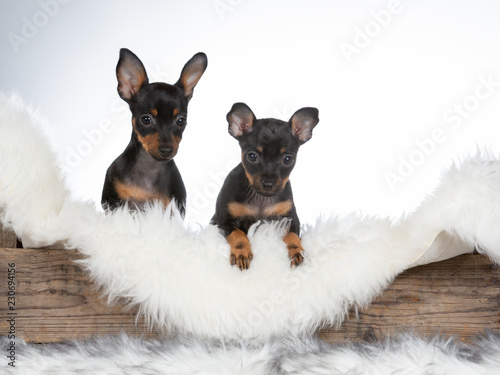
<point>131,192</point>
<point>279,209</point>
<point>240,209</point>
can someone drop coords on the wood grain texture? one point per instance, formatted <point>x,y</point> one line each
<point>55,301</point>
<point>7,238</point>
<point>459,298</point>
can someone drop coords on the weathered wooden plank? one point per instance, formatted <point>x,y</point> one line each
<point>7,238</point>
<point>55,301</point>
<point>459,297</point>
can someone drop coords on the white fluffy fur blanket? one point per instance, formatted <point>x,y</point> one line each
<point>180,277</point>
<point>279,356</point>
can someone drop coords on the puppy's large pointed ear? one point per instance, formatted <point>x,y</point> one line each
<point>191,74</point>
<point>303,122</point>
<point>240,119</point>
<point>131,75</point>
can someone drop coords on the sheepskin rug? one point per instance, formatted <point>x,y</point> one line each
<point>120,355</point>
<point>180,277</point>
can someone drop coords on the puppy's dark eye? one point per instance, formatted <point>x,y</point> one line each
<point>181,122</point>
<point>146,120</point>
<point>287,160</point>
<point>252,157</point>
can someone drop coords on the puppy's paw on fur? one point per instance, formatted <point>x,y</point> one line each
<point>241,258</point>
<point>241,253</point>
<point>296,260</point>
<point>295,249</point>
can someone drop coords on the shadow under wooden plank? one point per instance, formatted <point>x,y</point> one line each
<point>55,301</point>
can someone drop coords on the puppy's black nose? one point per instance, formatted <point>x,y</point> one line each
<point>267,185</point>
<point>165,151</point>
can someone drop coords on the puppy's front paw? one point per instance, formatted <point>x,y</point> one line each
<point>241,258</point>
<point>295,249</point>
<point>296,260</point>
<point>241,253</point>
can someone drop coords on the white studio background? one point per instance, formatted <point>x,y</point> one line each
<point>403,88</point>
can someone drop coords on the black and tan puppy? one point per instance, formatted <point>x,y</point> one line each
<point>259,187</point>
<point>146,171</point>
